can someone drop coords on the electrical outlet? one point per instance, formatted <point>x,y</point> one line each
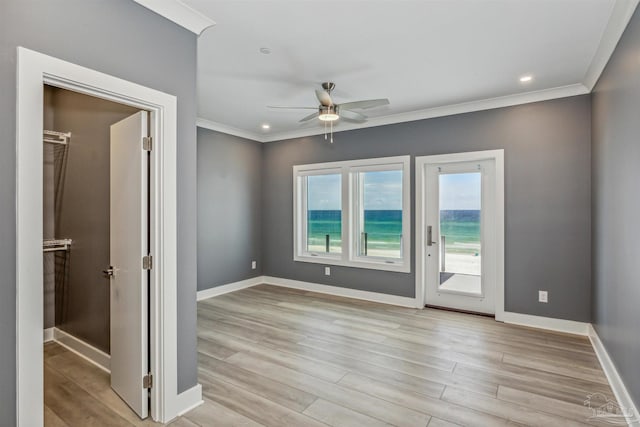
<point>543,296</point>
<point>254,265</point>
<point>327,271</point>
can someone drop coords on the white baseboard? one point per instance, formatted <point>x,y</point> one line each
<point>88,352</point>
<point>615,381</point>
<point>189,399</point>
<point>548,323</point>
<point>230,287</point>
<point>48,334</point>
<point>343,292</point>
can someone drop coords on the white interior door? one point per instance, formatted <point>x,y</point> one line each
<point>460,243</point>
<point>129,244</point>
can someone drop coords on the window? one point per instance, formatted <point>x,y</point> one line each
<point>353,213</point>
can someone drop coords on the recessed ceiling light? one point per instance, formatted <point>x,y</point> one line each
<point>265,50</point>
<point>526,79</point>
<point>266,126</point>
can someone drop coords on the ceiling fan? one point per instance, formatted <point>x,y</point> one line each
<point>329,112</point>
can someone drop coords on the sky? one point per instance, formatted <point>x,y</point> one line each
<point>383,191</point>
<point>460,191</point>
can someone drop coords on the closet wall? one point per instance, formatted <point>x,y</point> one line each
<point>83,213</point>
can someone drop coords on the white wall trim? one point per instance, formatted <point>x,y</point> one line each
<point>618,21</point>
<point>548,323</point>
<point>229,130</point>
<point>229,287</point>
<point>189,399</point>
<point>180,13</point>
<point>83,349</point>
<point>615,380</point>
<point>343,292</point>
<point>48,334</point>
<point>33,71</point>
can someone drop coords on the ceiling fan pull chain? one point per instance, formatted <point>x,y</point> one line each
<point>332,132</point>
<point>325,131</point>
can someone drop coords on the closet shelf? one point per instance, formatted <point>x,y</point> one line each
<point>51,245</point>
<point>54,137</point>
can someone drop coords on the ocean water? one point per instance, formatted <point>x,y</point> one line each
<point>384,228</point>
<point>461,229</point>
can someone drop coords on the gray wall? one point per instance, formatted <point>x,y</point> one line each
<point>229,208</point>
<point>120,38</point>
<point>616,179</point>
<point>548,198</point>
<point>83,214</point>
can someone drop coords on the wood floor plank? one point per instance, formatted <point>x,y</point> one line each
<point>205,414</point>
<point>540,403</point>
<point>562,388</point>
<point>74,406</point>
<point>437,422</point>
<point>275,391</point>
<point>213,348</point>
<point>383,353</point>
<point>182,422</point>
<point>94,382</point>
<point>517,413</point>
<point>339,416</point>
<point>455,413</point>
<point>333,355</point>
<point>568,369</point>
<point>261,410</point>
<point>51,419</point>
<point>344,396</point>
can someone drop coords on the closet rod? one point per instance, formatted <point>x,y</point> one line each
<point>54,137</point>
<point>51,245</point>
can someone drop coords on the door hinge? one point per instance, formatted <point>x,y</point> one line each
<point>147,262</point>
<point>147,381</point>
<point>147,143</point>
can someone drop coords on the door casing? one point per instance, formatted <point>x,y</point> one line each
<point>33,71</point>
<point>420,237</point>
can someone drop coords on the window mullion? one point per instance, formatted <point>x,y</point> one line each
<point>346,213</point>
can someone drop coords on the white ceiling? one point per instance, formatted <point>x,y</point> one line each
<point>429,58</point>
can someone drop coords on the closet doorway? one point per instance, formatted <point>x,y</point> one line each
<point>96,163</point>
<point>34,71</point>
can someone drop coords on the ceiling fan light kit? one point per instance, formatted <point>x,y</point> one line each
<point>328,112</point>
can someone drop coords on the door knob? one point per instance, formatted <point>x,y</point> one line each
<point>109,272</point>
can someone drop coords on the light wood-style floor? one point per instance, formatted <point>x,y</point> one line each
<point>278,357</point>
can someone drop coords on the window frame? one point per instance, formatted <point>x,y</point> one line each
<point>350,202</point>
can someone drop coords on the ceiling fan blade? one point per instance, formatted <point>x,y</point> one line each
<point>292,108</point>
<point>352,116</point>
<point>369,103</point>
<point>324,97</point>
<point>309,117</point>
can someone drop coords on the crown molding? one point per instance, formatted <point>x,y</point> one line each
<point>229,130</point>
<point>429,113</point>
<point>448,110</point>
<point>180,13</point>
<point>618,21</point>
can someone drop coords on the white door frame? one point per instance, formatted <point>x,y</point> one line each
<point>421,162</point>
<point>33,71</point>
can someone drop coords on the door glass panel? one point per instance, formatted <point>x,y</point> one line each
<point>380,213</point>
<point>324,213</point>
<point>460,243</point>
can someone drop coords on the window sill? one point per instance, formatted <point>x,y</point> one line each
<point>398,267</point>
